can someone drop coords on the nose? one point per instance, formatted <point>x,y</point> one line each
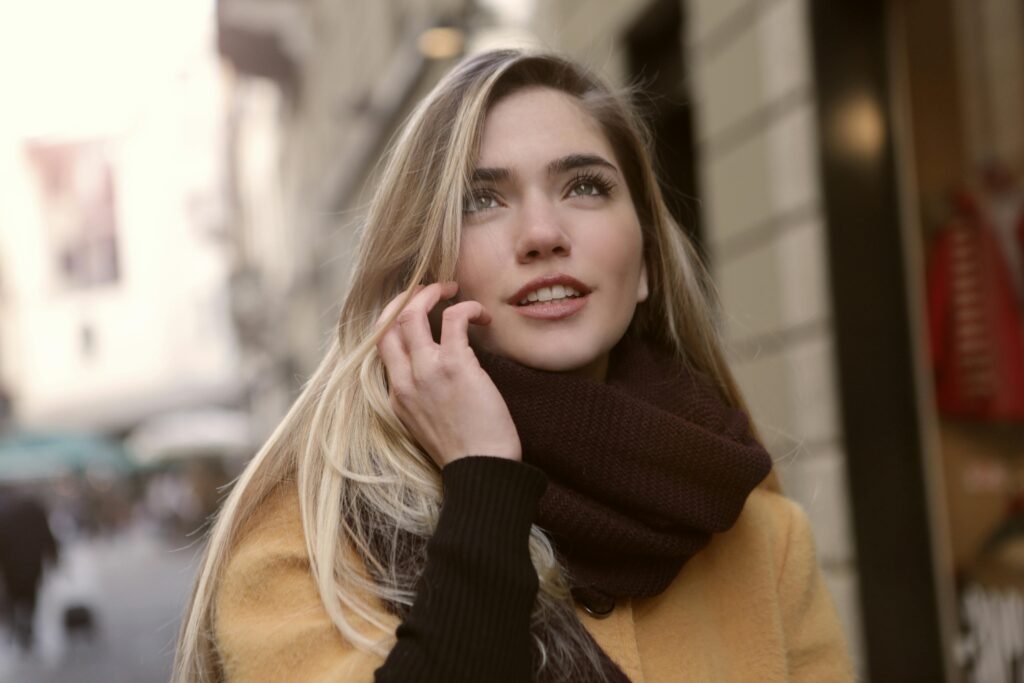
<point>541,234</point>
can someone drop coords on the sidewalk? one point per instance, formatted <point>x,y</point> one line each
<point>136,585</point>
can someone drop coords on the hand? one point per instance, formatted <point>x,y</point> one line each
<point>439,391</point>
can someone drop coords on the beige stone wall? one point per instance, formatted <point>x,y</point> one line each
<point>751,78</point>
<point>756,129</point>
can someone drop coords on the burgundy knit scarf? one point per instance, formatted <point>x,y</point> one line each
<point>642,469</point>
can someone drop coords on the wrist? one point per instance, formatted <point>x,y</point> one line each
<point>504,452</point>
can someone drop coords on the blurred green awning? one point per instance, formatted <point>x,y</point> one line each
<point>28,456</point>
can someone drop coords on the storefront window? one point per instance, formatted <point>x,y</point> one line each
<point>961,68</point>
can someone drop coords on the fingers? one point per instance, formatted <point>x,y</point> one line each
<point>455,328</point>
<point>413,322</point>
<point>438,391</point>
<point>390,346</point>
<point>410,334</point>
<point>396,361</point>
<point>396,302</point>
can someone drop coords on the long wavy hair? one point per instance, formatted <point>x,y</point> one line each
<point>364,484</point>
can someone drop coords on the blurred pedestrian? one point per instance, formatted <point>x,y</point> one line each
<point>27,547</point>
<point>511,463</point>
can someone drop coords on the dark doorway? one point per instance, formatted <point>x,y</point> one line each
<point>657,61</point>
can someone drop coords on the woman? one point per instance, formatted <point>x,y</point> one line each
<point>511,462</point>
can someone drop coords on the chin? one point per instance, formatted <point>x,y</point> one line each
<point>555,353</point>
<point>554,362</point>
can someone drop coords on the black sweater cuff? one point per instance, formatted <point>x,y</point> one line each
<point>471,617</point>
<point>485,496</point>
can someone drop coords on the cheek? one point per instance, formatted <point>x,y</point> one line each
<point>626,260</point>
<point>476,259</point>
<point>622,253</point>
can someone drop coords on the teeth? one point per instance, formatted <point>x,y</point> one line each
<point>549,294</point>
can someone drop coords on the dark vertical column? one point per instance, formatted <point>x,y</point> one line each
<point>874,343</point>
<point>657,60</point>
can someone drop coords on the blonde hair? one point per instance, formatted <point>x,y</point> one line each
<point>363,482</point>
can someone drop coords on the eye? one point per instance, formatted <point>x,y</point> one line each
<point>590,185</point>
<point>480,200</point>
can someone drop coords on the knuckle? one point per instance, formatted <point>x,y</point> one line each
<point>422,373</point>
<point>406,316</point>
<point>448,363</point>
<point>453,364</point>
<point>401,392</point>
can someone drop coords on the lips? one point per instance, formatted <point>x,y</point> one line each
<point>548,281</point>
<point>556,309</point>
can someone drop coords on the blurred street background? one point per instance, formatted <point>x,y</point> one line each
<point>180,186</point>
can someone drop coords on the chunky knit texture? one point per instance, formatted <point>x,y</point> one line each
<point>642,469</point>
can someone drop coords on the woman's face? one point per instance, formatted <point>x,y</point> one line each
<point>549,221</point>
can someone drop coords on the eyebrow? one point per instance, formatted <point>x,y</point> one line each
<point>556,167</point>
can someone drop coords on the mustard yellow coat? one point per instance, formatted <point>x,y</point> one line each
<point>751,606</point>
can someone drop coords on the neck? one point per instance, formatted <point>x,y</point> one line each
<point>596,369</point>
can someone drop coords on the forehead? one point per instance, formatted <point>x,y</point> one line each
<point>534,125</point>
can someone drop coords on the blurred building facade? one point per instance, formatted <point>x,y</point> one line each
<point>317,90</point>
<point>114,294</point>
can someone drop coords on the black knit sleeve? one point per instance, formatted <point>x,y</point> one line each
<point>471,616</point>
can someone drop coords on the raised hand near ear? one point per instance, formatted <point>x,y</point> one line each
<point>439,391</point>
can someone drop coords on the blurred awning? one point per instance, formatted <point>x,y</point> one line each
<point>267,38</point>
<point>118,412</point>
<point>209,432</point>
<point>33,456</point>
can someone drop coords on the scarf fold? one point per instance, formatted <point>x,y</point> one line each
<point>642,469</point>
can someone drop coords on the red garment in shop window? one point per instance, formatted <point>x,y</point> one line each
<point>975,326</point>
<point>1020,234</point>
